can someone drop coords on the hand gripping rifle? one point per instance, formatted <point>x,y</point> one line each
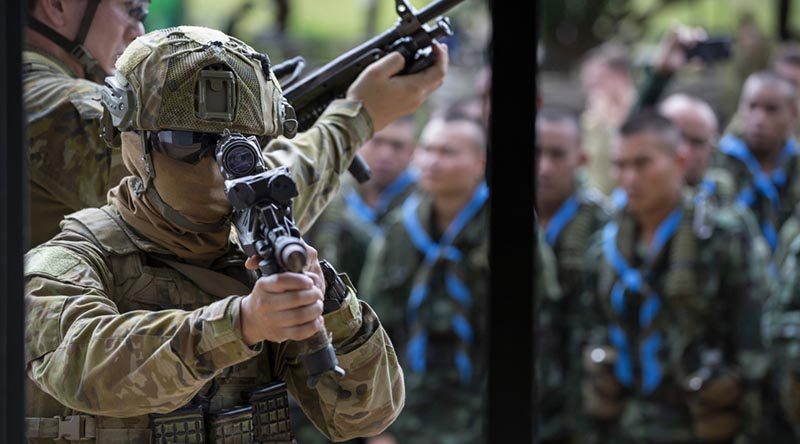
<point>262,215</point>
<point>410,36</point>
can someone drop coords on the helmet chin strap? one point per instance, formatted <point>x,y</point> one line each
<point>75,48</point>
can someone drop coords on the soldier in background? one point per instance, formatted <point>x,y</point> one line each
<point>764,161</point>
<point>70,47</point>
<point>569,213</point>
<point>698,126</point>
<point>429,278</point>
<point>675,353</point>
<point>357,214</point>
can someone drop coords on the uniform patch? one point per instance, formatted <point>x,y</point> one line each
<point>50,261</point>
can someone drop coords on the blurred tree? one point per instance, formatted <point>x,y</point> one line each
<point>164,14</point>
<point>571,27</point>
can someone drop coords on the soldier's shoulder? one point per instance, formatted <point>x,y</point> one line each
<point>47,88</point>
<point>72,255</point>
<point>594,200</point>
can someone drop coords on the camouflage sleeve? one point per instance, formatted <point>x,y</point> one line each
<point>318,156</point>
<point>781,327</point>
<point>371,394</point>
<point>745,286</point>
<point>82,351</point>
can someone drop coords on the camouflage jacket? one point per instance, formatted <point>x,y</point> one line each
<point>343,231</point>
<point>701,293</point>
<point>118,333</point>
<point>70,166</point>
<point>88,292</point>
<point>781,324</point>
<point>442,405</point>
<point>771,216</point>
<point>560,324</point>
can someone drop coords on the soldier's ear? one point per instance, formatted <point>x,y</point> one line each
<point>56,13</point>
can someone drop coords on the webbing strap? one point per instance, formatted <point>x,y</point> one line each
<point>565,214</point>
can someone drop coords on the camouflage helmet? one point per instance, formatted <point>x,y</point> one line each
<point>197,79</point>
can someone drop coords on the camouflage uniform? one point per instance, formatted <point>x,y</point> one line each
<point>446,376</point>
<point>118,337</point>
<point>343,231</point>
<point>784,182</point>
<point>781,325</point>
<point>125,327</point>
<point>675,352</point>
<point>70,166</point>
<point>568,233</point>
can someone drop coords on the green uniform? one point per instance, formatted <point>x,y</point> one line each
<point>782,331</point>
<point>773,197</point>
<point>560,323</point>
<point>434,313</point>
<point>70,166</point>
<point>675,353</point>
<point>343,231</point>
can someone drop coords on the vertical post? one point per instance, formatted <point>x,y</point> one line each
<point>511,392</point>
<point>783,16</point>
<point>13,223</point>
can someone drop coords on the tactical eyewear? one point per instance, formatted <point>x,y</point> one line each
<point>186,146</point>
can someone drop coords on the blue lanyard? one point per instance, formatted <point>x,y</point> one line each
<point>369,214</point>
<point>766,184</point>
<point>433,252</point>
<point>619,198</point>
<point>561,219</point>
<point>631,279</point>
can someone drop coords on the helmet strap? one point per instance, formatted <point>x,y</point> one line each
<point>74,48</point>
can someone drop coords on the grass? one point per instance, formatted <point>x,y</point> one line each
<point>310,19</point>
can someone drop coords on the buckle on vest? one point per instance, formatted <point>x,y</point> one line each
<point>72,428</point>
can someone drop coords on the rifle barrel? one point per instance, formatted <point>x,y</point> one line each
<point>436,9</point>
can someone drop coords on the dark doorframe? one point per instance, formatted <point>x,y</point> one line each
<point>13,224</point>
<point>511,392</point>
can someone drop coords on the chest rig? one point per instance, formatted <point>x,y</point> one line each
<point>247,403</point>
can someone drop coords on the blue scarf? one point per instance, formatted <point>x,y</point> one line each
<point>369,214</point>
<point>767,185</point>
<point>631,279</point>
<point>434,252</point>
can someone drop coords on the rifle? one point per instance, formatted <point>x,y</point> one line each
<point>410,36</point>
<point>262,215</point>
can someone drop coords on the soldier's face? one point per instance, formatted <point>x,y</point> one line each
<point>451,157</point>
<point>559,156</point>
<point>647,169</point>
<point>769,113</point>
<point>698,135</point>
<point>116,23</point>
<point>389,152</point>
